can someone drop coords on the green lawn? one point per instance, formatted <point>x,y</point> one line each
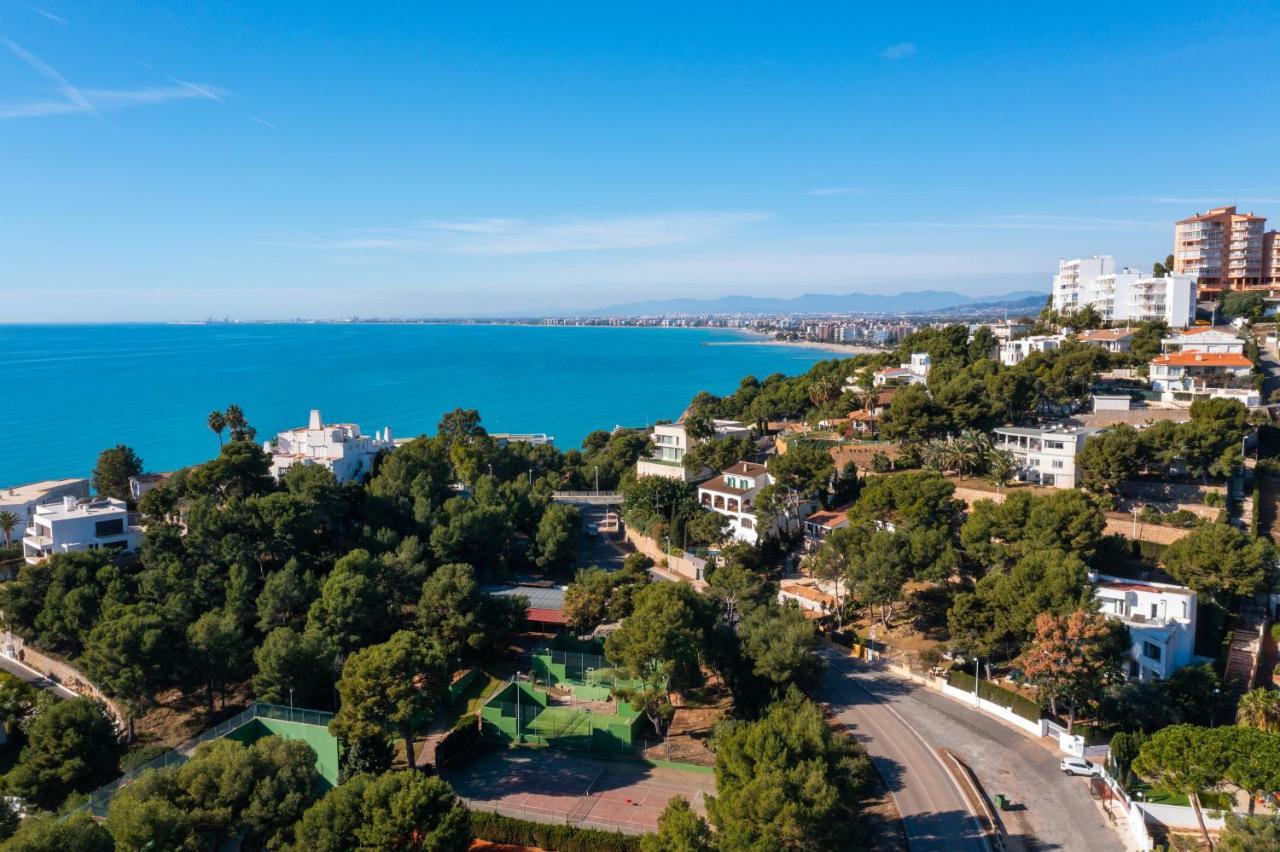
<point>1209,799</point>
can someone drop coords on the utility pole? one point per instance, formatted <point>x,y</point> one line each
<point>977,681</point>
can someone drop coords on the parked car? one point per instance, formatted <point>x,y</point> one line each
<point>593,530</point>
<point>1080,766</point>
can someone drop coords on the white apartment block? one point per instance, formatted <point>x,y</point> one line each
<point>338,447</point>
<point>733,495</point>
<point>914,373</point>
<point>73,525</point>
<point>1045,455</point>
<point>1125,296</point>
<point>1014,352</point>
<point>23,500</point>
<point>1213,341</point>
<point>1161,619</point>
<point>671,442</point>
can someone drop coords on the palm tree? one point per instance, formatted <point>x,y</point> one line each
<point>971,452</point>
<point>217,423</point>
<point>8,523</point>
<point>1001,468</point>
<point>824,390</point>
<point>239,426</point>
<point>1260,708</point>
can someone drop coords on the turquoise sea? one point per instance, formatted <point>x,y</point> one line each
<point>76,389</point>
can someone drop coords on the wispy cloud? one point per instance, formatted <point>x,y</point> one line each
<point>498,236</point>
<point>262,121</point>
<point>76,100</point>
<point>1026,222</point>
<point>1218,200</point>
<point>837,190</point>
<point>902,50</point>
<point>57,19</point>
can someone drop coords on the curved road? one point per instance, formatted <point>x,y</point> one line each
<point>935,814</point>
<point>896,717</point>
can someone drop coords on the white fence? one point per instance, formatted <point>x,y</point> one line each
<point>1004,713</point>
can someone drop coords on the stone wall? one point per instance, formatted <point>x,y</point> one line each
<point>64,673</point>
<point>1121,524</point>
<point>684,567</point>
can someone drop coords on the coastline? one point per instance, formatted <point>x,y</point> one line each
<point>760,338</point>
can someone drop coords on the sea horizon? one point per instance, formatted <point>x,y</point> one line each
<point>151,385</point>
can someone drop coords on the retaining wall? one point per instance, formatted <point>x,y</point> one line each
<point>686,567</point>
<point>66,674</point>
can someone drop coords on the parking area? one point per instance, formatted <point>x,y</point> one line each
<point>558,787</point>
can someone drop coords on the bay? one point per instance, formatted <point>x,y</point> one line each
<point>77,389</point>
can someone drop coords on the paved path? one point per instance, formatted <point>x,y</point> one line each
<point>34,677</point>
<point>935,814</point>
<point>1052,811</point>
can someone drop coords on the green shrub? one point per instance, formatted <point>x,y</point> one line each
<point>1182,518</point>
<point>563,838</point>
<point>987,691</point>
<point>1214,499</point>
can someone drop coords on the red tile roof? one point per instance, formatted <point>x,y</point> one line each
<point>546,616</point>
<point>745,468</point>
<point>1202,359</point>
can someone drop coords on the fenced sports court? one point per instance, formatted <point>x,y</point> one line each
<point>577,789</point>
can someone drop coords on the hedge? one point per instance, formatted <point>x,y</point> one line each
<point>465,734</point>
<point>1023,706</point>
<point>496,828</point>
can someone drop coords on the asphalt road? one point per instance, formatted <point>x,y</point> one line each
<point>1051,811</point>
<point>32,676</point>
<point>599,551</point>
<point>935,814</point>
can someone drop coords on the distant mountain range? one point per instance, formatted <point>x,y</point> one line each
<point>917,301</point>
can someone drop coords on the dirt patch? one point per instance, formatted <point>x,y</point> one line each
<point>176,718</point>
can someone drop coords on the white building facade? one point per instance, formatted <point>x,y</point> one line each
<point>1211,341</point>
<point>1014,352</point>
<point>337,447</point>
<point>1128,295</point>
<point>670,443</point>
<point>1161,619</point>
<point>914,373</point>
<point>733,494</point>
<point>74,525</point>
<point>1045,455</point>
<point>23,500</point>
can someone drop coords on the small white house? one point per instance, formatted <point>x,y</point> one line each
<point>1014,352</point>
<point>1045,455</point>
<point>23,500</point>
<point>733,494</point>
<point>73,525</point>
<point>338,447</point>
<point>671,442</point>
<point>1161,618</point>
<point>1208,340</point>
<point>914,373</point>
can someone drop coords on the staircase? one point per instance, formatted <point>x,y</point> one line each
<point>1246,646</point>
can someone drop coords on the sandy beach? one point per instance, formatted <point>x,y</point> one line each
<point>757,338</point>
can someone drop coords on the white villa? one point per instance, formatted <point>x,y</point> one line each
<point>733,495</point>
<point>1016,351</point>
<point>1110,339</point>
<point>822,523</point>
<point>23,500</point>
<point>671,442</point>
<point>73,525</point>
<point>914,373</point>
<point>1161,619</point>
<point>339,447</point>
<point>1187,371</point>
<point>1045,455</point>
<point>1211,341</point>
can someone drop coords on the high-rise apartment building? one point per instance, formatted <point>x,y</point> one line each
<point>1221,248</point>
<point>1271,258</point>
<point>1125,296</point>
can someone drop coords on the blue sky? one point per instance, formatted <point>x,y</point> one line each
<point>260,160</point>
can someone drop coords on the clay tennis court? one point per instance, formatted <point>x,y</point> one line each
<point>557,787</point>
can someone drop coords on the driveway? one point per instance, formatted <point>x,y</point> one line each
<point>1051,811</point>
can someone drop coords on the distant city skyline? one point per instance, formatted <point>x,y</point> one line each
<point>325,160</point>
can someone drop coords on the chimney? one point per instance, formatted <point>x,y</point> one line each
<point>315,421</point>
<point>69,503</point>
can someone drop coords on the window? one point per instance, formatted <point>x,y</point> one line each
<point>747,524</point>
<point>1057,463</point>
<point>1155,610</point>
<point>1151,651</point>
<point>102,529</point>
<point>1053,445</point>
